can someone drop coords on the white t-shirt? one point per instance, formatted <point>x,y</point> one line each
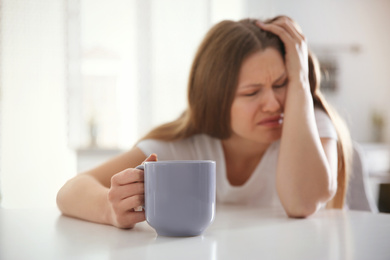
<point>259,190</point>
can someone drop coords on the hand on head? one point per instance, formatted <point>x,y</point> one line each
<point>296,58</point>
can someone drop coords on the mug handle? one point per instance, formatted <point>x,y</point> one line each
<point>140,167</point>
<point>140,208</point>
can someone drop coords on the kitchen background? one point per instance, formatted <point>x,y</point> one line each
<point>81,80</point>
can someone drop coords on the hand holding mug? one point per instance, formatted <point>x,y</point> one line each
<point>125,195</point>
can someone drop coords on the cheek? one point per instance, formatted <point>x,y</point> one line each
<point>235,114</point>
<point>241,112</point>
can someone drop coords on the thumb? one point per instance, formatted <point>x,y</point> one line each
<point>151,158</point>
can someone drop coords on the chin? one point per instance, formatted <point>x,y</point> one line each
<point>272,138</point>
<point>275,139</point>
<point>267,139</point>
<point>273,135</point>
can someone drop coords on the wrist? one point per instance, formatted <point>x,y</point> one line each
<point>107,210</point>
<point>298,98</point>
<point>299,82</point>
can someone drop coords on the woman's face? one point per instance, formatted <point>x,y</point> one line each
<point>257,109</point>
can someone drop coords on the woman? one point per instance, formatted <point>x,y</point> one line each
<point>256,109</point>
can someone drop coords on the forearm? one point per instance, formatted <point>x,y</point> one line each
<point>85,198</point>
<point>304,179</point>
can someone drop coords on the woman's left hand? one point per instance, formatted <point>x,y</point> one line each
<point>296,58</point>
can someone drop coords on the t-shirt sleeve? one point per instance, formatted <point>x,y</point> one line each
<point>325,125</point>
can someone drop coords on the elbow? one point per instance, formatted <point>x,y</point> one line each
<point>302,211</point>
<point>306,207</point>
<point>304,201</point>
<point>60,200</point>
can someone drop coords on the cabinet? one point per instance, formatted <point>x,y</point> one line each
<point>377,158</point>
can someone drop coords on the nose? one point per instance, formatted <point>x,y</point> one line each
<point>271,102</point>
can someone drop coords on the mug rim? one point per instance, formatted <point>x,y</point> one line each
<point>180,161</point>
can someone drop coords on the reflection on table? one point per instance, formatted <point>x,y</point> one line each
<point>237,233</point>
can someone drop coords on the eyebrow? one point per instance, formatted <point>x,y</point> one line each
<point>260,84</point>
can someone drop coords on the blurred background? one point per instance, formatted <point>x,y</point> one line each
<point>82,80</point>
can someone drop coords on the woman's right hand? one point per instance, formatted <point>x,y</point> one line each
<point>127,194</point>
<point>295,44</point>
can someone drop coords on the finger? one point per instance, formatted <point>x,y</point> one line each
<point>132,202</point>
<point>119,193</point>
<point>151,158</point>
<point>295,24</point>
<point>129,219</point>
<point>277,30</point>
<point>137,216</point>
<point>127,176</point>
<point>288,19</point>
<point>283,28</point>
<point>290,27</point>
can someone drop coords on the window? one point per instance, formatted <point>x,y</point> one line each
<point>135,59</point>
<point>85,73</point>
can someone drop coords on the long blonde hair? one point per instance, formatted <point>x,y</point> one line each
<point>212,86</point>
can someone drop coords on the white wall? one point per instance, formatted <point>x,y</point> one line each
<point>35,159</point>
<point>364,82</point>
<point>175,37</point>
<point>177,29</point>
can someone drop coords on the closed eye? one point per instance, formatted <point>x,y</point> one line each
<point>251,94</point>
<point>281,85</point>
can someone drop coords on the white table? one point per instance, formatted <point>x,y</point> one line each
<point>237,233</point>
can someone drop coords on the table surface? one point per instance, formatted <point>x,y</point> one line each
<point>236,233</point>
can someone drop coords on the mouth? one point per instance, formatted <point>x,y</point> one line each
<point>273,121</point>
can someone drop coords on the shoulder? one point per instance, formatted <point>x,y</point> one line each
<point>165,150</point>
<point>147,144</point>
<point>325,126</point>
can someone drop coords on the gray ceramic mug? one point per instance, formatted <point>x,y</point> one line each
<point>179,196</point>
